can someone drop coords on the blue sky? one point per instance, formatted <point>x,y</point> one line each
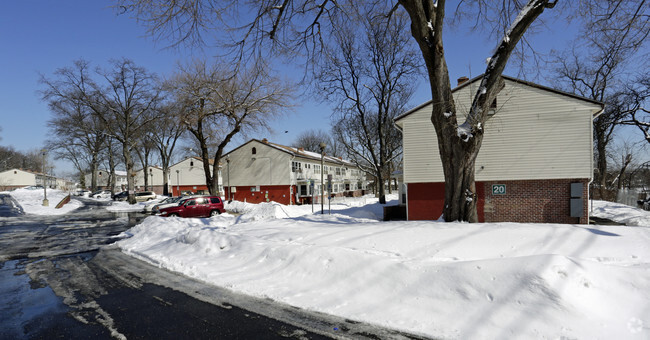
<point>41,36</point>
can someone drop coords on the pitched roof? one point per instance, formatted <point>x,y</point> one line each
<point>299,152</point>
<point>541,87</point>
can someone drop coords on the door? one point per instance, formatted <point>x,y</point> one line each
<point>190,208</point>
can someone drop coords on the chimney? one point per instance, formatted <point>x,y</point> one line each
<point>265,141</point>
<point>462,80</point>
<point>301,149</point>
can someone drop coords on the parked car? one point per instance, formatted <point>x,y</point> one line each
<point>121,196</point>
<point>143,196</point>
<point>153,207</point>
<point>102,194</point>
<point>82,192</point>
<point>9,206</point>
<point>196,207</point>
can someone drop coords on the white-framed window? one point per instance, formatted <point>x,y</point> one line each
<point>338,171</point>
<point>316,169</point>
<point>296,166</point>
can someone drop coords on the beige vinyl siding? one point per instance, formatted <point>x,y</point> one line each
<point>535,134</point>
<point>268,166</point>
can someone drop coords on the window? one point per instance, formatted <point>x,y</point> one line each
<point>254,151</point>
<point>296,167</point>
<point>303,190</point>
<point>215,200</point>
<point>191,163</point>
<point>347,186</point>
<point>343,170</point>
<point>338,171</point>
<point>317,169</point>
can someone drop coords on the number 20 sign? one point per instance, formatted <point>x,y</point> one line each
<point>498,189</point>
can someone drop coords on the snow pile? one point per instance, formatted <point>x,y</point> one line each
<point>367,207</point>
<point>444,280</point>
<point>620,213</point>
<point>125,206</point>
<point>32,201</point>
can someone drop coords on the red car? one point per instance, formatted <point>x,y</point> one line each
<point>196,207</point>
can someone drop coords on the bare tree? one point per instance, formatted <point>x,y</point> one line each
<point>217,105</point>
<point>168,130</point>
<point>299,26</point>
<point>595,67</point>
<point>78,134</point>
<point>369,71</point>
<point>125,104</point>
<point>636,98</point>
<point>310,140</point>
<point>10,158</point>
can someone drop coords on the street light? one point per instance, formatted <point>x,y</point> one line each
<point>322,183</point>
<point>45,201</point>
<point>178,183</point>
<point>151,177</point>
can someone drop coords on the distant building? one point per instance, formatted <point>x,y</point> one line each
<point>188,176</point>
<point>103,179</point>
<point>535,163</point>
<point>18,178</point>
<point>261,171</point>
<point>154,177</point>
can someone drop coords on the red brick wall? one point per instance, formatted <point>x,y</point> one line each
<point>276,193</point>
<point>537,201</point>
<point>534,201</point>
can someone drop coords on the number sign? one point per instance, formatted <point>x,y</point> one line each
<point>498,189</point>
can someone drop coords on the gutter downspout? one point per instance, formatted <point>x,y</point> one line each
<point>399,128</point>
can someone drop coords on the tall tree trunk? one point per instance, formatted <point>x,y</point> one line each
<point>459,144</point>
<point>165,179</point>
<point>130,179</point>
<point>381,187</point>
<point>93,173</point>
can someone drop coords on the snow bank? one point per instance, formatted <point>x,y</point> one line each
<point>620,213</point>
<point>32,201</point>
<point>444,280</point>
<point>125,206</point>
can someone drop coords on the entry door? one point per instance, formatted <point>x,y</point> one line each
<point>192,208</point>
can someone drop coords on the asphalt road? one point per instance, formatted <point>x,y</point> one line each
<point>61,277</point>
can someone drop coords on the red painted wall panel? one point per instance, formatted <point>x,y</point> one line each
<point>267,193</point>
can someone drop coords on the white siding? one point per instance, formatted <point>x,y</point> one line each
<point>190,172</point>
<point>157,176</point>
<point>268,166</point>
<point>15,177</point>
<point>535,134</point>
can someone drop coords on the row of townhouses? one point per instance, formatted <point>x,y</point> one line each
<point>18,178</point>
<point>257,171</point>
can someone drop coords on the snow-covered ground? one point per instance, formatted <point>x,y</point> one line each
<point>32,201</point>
<point>620,213</point>
<point>444,280</point>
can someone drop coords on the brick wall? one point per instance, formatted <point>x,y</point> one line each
<point>536,201</point>
<point>533,201</point>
